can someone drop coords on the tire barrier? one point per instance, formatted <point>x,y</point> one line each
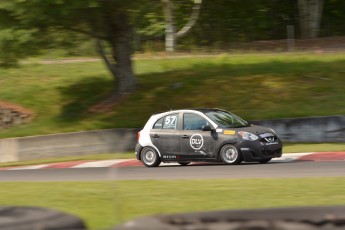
<point>296,218</point>
<point>33,218</point>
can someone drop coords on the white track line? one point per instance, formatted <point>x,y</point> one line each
<point>289,157</point>
<point>99,164</point>
<point>29,167</point>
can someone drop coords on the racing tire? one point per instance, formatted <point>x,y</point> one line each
<point>264,161</point>
<point>28,218</point>
<point>184,163</point>
<point>150,157</point>
<point>230,155</point>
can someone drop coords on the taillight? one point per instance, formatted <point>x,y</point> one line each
<point>138,136</point>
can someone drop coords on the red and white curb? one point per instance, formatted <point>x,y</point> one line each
<point>323,156</point>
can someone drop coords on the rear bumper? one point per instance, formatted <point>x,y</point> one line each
<point>138,149</point>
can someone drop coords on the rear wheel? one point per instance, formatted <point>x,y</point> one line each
<point>230,155</point>
<point>264,161</point>
<point>183,163</point>
<point>150,157</point>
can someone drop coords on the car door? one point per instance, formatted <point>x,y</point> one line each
<point>195,143</point>
<point>165,136</point>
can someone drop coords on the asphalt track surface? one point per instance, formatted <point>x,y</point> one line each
<point>296,169</point>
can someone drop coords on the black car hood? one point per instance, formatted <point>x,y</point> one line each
<point>255,129</point>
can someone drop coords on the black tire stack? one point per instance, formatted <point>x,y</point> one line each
<point>296,218</point>
<point>34,218</point>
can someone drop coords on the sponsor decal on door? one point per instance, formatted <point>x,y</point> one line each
<point>196,141</point>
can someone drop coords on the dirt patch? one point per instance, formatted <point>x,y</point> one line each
<point>12,114</point>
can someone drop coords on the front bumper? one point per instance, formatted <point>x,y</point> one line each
<point>253,151</point>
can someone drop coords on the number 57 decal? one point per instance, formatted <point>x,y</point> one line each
<point>170,122</point>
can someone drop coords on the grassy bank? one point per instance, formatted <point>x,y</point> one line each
<point>254,86</point>
<point>313,147</point>
<point>105,204</point>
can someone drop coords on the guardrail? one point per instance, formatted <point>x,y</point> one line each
<point>308,129</point>
<point>67,144</point>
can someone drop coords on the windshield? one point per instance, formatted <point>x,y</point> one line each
<point>226,119</point>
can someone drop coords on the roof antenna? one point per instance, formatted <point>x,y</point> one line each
<point>167,107</point>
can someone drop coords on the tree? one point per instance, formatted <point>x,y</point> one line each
<point>333,18</point>
<point>26,27</point>
<point>170,34</point>
<point>310,13</point>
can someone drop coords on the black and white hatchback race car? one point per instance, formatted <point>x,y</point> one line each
<point>189,135</point>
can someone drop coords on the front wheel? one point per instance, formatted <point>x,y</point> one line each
<point>150,157</point>
<point>230,155</point>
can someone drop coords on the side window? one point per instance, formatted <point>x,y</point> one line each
<point>170,121</point>
<point>193,122</point>
<point>158,124</point>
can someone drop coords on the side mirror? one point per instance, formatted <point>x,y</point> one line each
<point>206,128</point>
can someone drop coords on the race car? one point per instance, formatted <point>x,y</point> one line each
<point>194,135</point>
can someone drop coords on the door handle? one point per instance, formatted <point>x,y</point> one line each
<point>185,136</point>
<point>155,136</point>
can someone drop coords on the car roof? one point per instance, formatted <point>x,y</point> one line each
<point>203,110</point>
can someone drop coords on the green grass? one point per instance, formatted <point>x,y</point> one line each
<point>313,147</point>
<point>105,204</point>
<point>254,86</point>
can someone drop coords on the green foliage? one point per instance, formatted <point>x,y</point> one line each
<point>239,21</point>
<point>154,25</point>
<point>333,18</point>
<point>28,28</point>
<point>12,43</point>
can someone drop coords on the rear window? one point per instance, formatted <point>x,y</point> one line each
<point>158,124</point>
<point>167,122</point>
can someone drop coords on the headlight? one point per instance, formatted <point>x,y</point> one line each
<point>248,136</point>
